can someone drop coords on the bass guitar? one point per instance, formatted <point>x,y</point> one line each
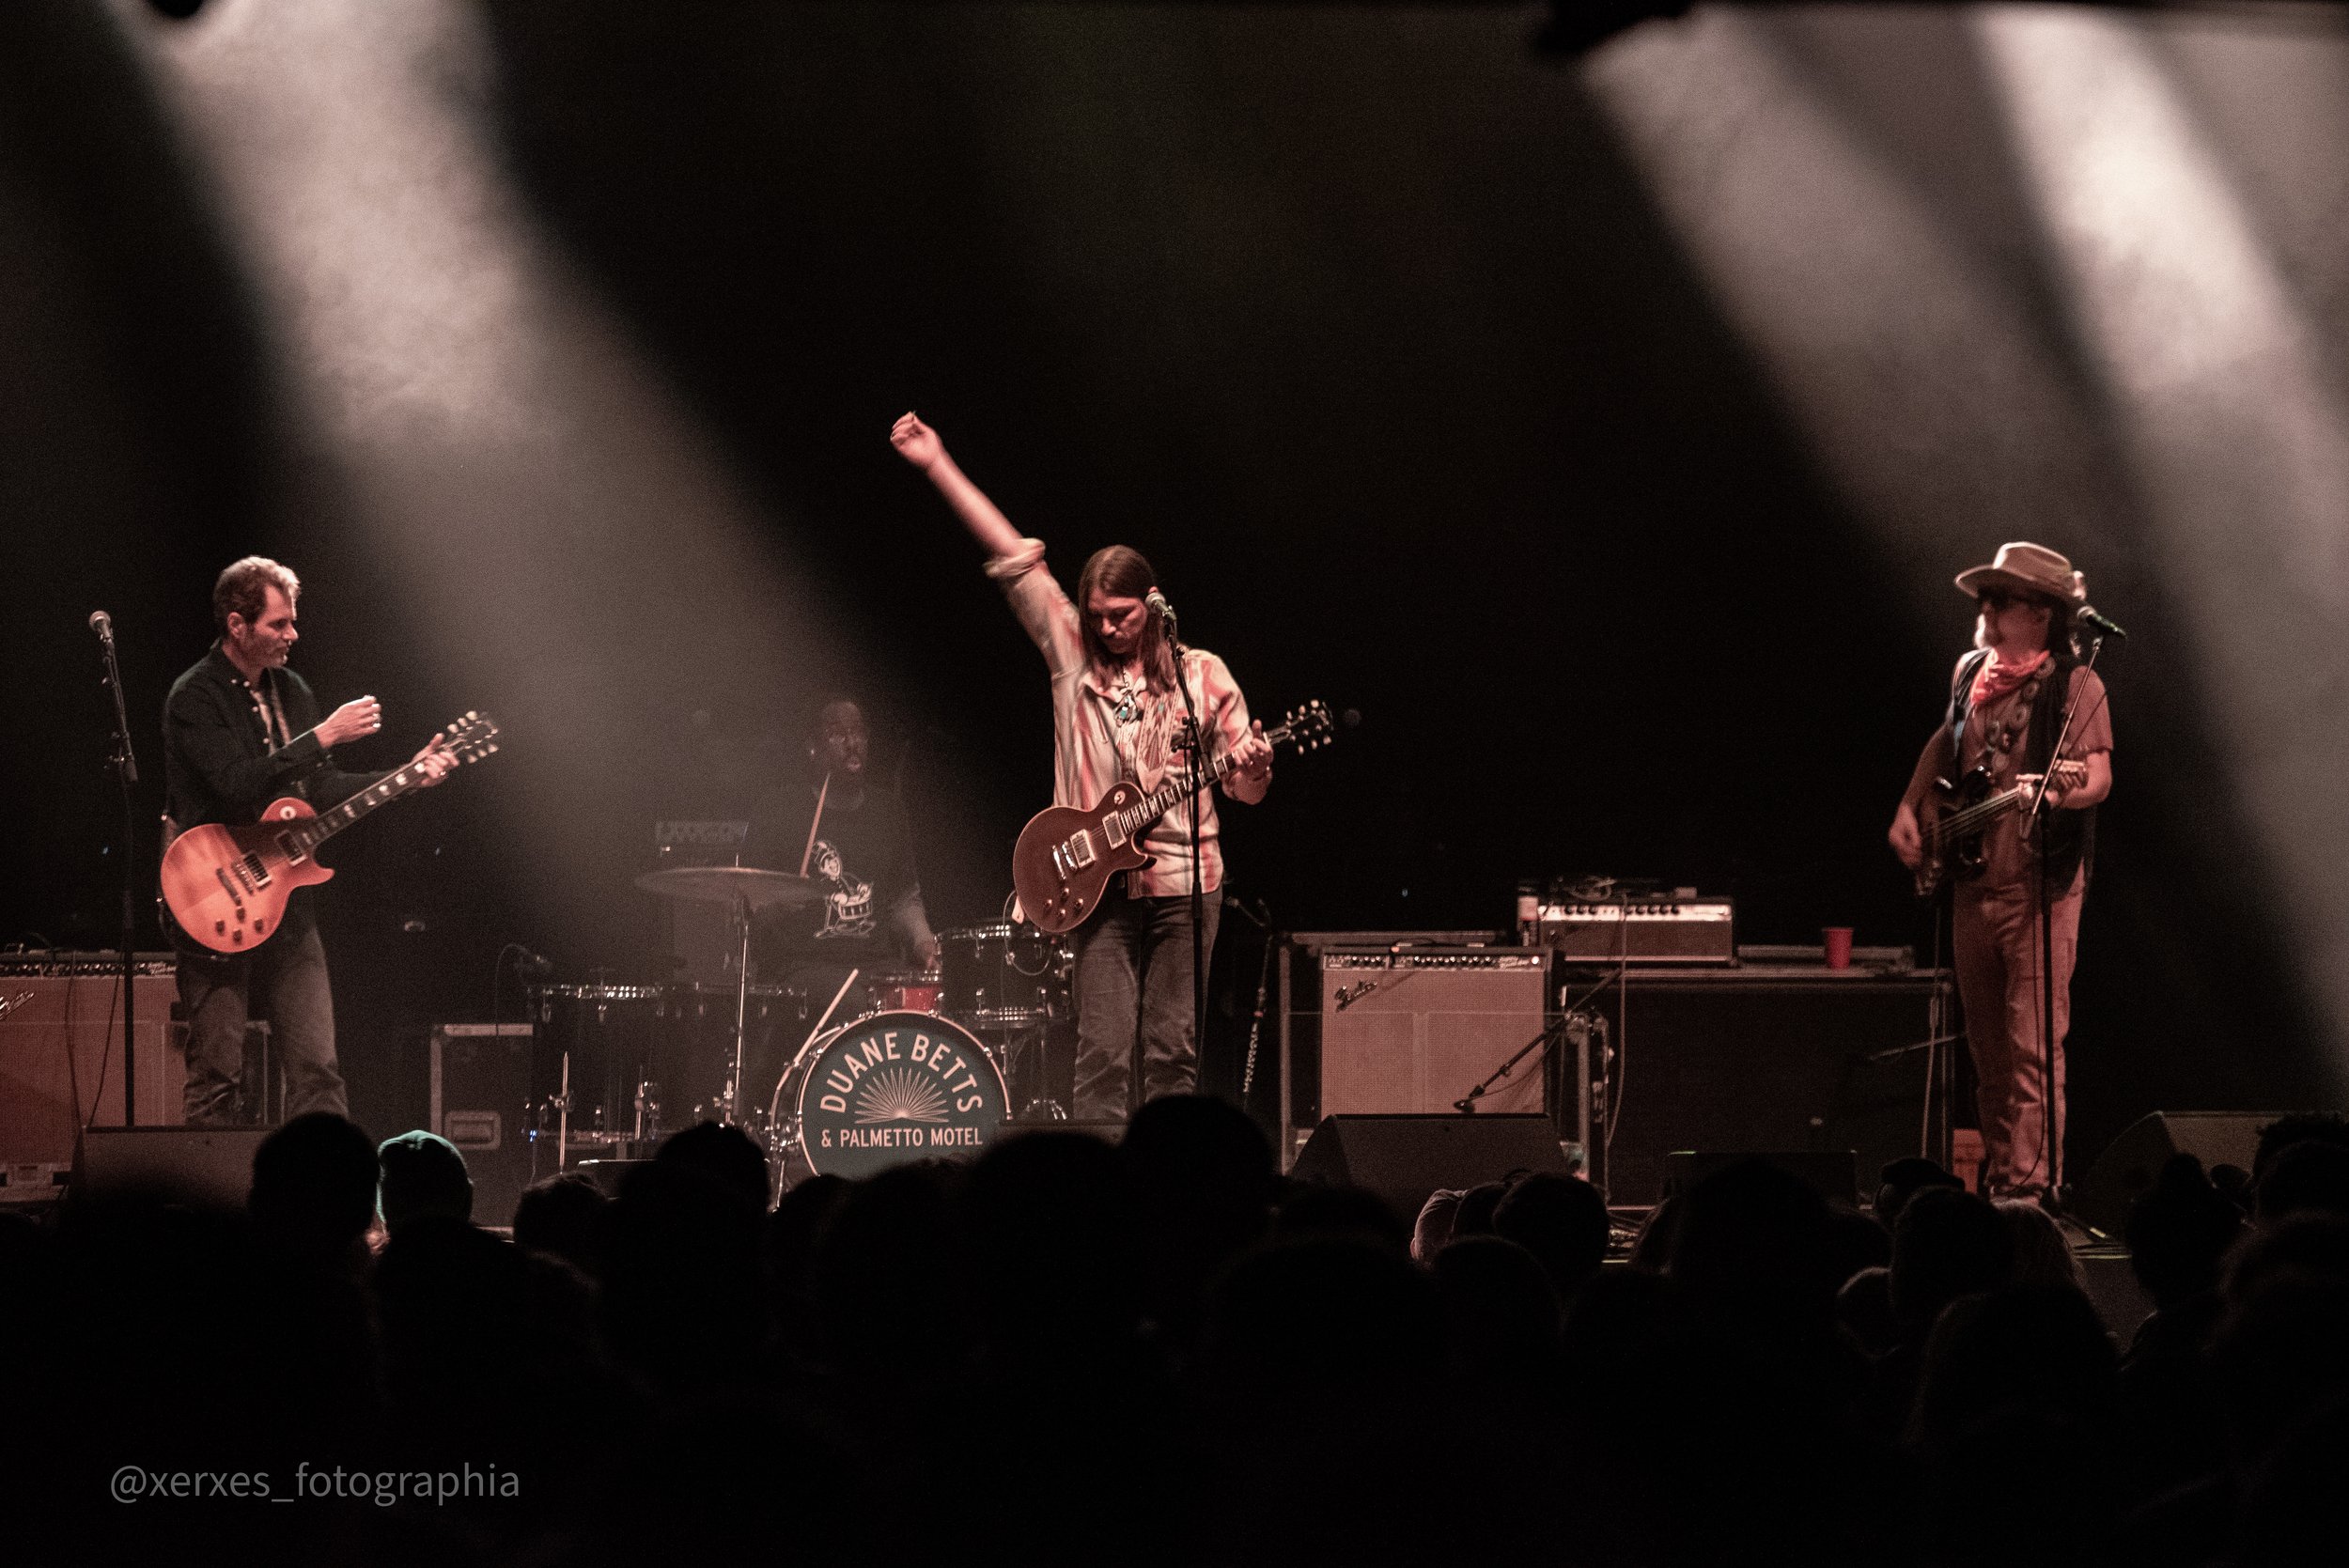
<point>1067,855</point>
<point>1959,815</point>
<point>227,887</point>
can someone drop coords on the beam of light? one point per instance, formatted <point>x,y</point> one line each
<point>1909,366</point>
<point>529,488</point>
<point>2233,423</point>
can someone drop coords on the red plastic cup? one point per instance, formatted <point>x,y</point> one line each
<point>1838,940</point>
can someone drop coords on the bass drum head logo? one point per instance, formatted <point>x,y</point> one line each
<point>898,1087</point>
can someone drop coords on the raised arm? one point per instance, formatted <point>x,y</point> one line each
<point>918,444</point>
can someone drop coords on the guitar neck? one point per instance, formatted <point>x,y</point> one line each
<point>1986,810</point>
<point>311,831</point>
<point>1137,818</point>
<point>1959,823</point>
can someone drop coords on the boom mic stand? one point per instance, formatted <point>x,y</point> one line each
<point>125,764</point>
<point>1466,1104</point>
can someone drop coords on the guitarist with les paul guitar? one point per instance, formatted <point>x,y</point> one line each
<point>1119,716</point>
<point>240,731</point>
<point>2008,701</point>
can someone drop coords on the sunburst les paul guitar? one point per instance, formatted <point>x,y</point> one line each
<point>1957,816</point>
<point>227,887</point>
<point>1067,854</point>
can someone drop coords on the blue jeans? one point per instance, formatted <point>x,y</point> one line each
<point>285,983</point>
<point>1134,988</point>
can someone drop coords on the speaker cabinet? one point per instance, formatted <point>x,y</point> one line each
<point>2128,1168</point>
<point>1403,1159</point>
<point>198,1167</point>
<point>480,1101</point>
<point>1770,1059</point>
<point>61,1060</point>
<point>1405,1029</point>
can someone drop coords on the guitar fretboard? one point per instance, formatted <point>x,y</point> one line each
<point>311,831</point>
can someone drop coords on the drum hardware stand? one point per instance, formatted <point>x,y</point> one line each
<point>1026,1045</point>
<point>1030,1043</point>
<point>563,1117</point>
<point>774,1101</point>
<point>732,1108</point>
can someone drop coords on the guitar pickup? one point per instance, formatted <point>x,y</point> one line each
<point>293,855</point>
<point>1075,853</point>
<point>255,873</point>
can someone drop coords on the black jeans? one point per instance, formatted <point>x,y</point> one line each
<point>1134,987</point>
<point>284,983</point>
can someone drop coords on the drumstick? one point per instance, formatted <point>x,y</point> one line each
<point>774,1102</point>
<point>806,854</point>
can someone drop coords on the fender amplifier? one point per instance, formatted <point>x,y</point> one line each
<point>1642,930</point>
<point>1402,1030</point>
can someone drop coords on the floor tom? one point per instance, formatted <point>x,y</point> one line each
<point>1004,976</point>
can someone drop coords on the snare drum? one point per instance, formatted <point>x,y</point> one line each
<point>1004,976</point>
<point>894,1088</point>
<point>903,991</point>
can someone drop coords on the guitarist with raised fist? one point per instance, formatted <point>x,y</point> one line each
<point>241,730</point>
<point>1117,714</point>
<point>2008,699</point>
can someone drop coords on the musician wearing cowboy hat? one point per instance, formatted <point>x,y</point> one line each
<point>2008,700</point>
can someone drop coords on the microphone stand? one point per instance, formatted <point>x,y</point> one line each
<point>1198,890</point>
<point>125,764</point>
<point>2050,1109</point>
<point>1466,1104</point>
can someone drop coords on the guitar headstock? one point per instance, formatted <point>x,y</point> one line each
<point>1307,727</point>
<point>471,738</point>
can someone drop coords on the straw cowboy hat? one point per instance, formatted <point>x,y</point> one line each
<point>2030,568</point>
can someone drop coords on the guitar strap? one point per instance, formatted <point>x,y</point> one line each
<point>1962,704</point>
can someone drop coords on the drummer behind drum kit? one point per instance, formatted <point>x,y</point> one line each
<point>917,1070</point>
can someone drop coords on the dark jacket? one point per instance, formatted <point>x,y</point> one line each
<point>217,764</point>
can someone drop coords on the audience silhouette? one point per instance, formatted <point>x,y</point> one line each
<point>1161,1352</point>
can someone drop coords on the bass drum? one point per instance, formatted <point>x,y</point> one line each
<point>894,1088</point>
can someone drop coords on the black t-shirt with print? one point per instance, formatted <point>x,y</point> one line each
<point>863,865</point>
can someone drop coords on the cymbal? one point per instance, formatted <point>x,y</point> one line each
<point>753,885</point>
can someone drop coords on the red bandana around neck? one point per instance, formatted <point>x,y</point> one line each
<point>1996,678</point>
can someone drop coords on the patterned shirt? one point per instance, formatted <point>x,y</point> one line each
<point>1107,727</point>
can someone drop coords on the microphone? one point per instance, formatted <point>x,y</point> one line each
<point>2095,621</point>
<point>104,625</point>
<point>1158,606</point>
